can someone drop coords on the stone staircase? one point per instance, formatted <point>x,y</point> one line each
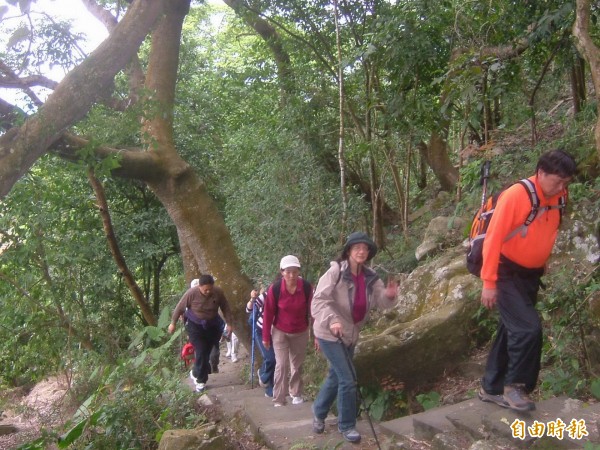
<point>557,423</point>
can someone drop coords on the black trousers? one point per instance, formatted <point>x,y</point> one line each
<point>517,349</point>
<point>203,339</point>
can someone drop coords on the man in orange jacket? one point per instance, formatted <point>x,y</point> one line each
<point>513,264</point>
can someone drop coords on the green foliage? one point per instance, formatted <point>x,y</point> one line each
<point>62,287</point>
<point>429,400</point>
<point>486,322</point>
<point>131,404</point>
<point>314,371</point>
<point>385,401</point>
<point>566,322</point>
<point>595,388</point>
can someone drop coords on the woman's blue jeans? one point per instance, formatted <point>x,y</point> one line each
<point>340,383</point>
<point>267,368</point>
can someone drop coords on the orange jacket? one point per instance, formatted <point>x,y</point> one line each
<point>533,249</point>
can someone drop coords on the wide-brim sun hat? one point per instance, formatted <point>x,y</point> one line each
<point>289,261</point>
<point>358,237</point>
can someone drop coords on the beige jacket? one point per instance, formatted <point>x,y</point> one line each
<point>334,298</point>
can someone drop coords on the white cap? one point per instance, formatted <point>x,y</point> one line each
<point>195,282</point>
<point>289,261</point>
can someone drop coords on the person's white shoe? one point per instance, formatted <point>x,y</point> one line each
<point>260,383</point>
<point>297,400</point>
<point>234,358</point>
<point>198,386</point>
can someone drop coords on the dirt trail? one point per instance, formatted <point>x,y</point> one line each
<point>45,406</point>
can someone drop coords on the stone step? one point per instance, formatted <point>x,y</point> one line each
<point>577,415</point>
<point>484,421</point>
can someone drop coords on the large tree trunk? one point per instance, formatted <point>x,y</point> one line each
<point>591,54</point>
<point>437,157</point>
<point>201,227</point>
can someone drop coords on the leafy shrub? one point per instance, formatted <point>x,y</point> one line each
<point>566,320</point>
<point>387,401</point>
<point>429,400</point>
<point>130,405</point>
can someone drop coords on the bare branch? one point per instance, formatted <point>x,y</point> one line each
<point>9,74</point>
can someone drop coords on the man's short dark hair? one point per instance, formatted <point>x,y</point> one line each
<point>206,279</point>
<point>557,162</point>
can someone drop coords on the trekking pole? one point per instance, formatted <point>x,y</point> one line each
<point>253,342</point>
<point>485,174</point>
<point>362,399</point>
<point>181,348</point>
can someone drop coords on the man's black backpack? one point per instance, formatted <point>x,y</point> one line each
<point>483,216</point>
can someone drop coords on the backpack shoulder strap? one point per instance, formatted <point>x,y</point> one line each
<point>533,198</point>
<point>276,290</point>
<point>535,202</point>
<point>307,288</point>
<point>562,204</point>
<point>276,294</point>
<point>339,274</point>
<point>535,205</point>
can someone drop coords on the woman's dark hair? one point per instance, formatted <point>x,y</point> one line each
<point>206,279</point>
<point>557,162</point>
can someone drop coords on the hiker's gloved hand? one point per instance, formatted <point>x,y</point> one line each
<point>488,297</point>
<point>336,329</point>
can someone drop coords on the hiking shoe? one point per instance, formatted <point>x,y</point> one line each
<point>491,398</point>
<point>260,383</point>
<point>277,404</point>
<point>517,399</point>
<point>318,425</point>
<point>234,359</point>
<point>193,378</point>
<point>200,387</point>
<point>297,400</point>
<point>351,435</point>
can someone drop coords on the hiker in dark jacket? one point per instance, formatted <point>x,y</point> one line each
<point>200,308</point>
<point>343,298</point>
<point>511,273</point>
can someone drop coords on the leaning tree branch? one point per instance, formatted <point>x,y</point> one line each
<point>12,77</point>
<point>115,250</point>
